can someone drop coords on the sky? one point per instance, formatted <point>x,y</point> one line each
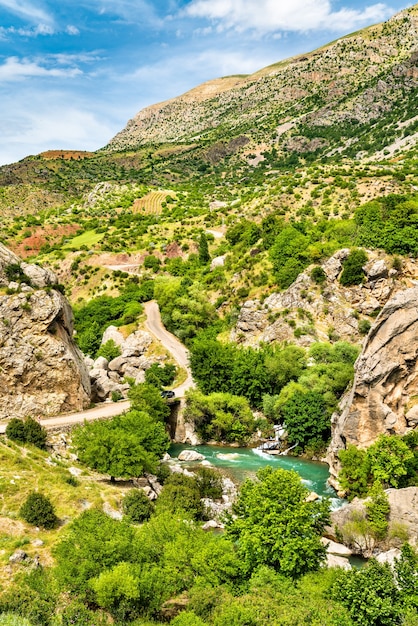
<point>72,73</point>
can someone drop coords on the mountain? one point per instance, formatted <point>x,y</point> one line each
<point>353,96</point>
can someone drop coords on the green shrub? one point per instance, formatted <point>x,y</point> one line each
<point>109,350</point>
<point>136,506</point>
<point>35,433</point>
<point>9,619</point>
<point>318,275</point>
<point>209,482</point>
<point>187,618</point>
<point>27,431</point>
<point>38,511</point>
<point>76,613</point>
<point>15,430</point>
<point>353,273</point>
<point>162,473</point>
<point>163,375</point>
<point>152,262</point>
<point>364,326</point>
<point>15,273</point>
<point>180,494</point>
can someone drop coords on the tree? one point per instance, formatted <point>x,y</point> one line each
<point>126,446</point>
<point>15,430</point>
<point>318,275</point>
<point>94,542</point>
<point>180,494</point>
<point>204,256</point>
<point>307,418</point>
<point>220,416</point>
<point>165,375</point>
<point>117,590</point>
<point>274,525</point>
<point>38,511</point>
<point>109,350</point>
<point>354,473</point>
<point>147,397</point>
<point>389,457</point>
<point>152,262</point>
<point>378,509</point>
<point>406,570</point>
<point>35,433</point>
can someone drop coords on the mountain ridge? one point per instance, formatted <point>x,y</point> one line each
<point>388,45</point>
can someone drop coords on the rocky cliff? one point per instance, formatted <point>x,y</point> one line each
<point>384,395</point>
<point>307,312</point>
<point>41,369</point>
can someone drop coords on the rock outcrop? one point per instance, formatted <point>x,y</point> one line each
<point>41,369</point>
<point>403,520</point>
<point>110,377</point>
<point>307,312</point>
<point>384,395</point>
<point>12,268</point>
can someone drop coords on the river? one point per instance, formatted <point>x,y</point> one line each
<point>241,463</point>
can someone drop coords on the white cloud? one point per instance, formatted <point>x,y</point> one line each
<point>27,10</point>
<point>52,122</point>
<point>72,30</point>
<point>131,11</point>
<point>163,80</point>
<point>15,69</point>
<point>268,16</point>
<point>40,29</point>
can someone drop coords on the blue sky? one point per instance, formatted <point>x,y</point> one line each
<point>73,72</point>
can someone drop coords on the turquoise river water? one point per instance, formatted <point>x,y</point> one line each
<point>241,463</point>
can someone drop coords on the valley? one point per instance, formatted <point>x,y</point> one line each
<point>251,246</point>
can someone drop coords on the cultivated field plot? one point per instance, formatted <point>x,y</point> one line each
<point>152,203</point>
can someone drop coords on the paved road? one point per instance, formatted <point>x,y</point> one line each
<point>110,409</point>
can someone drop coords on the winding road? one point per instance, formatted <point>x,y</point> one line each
<point>155,326</point>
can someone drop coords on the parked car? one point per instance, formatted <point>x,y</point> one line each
<point>167,394</point>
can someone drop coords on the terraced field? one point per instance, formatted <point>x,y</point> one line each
<point>152,202</point>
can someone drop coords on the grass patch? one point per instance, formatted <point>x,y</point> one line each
<point>90,238</point>
<point>26,469</point>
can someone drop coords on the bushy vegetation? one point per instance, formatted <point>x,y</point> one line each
<point>391,461</point>
<point>26,431</point>
<point>353,273</point>
<point>281,381</point>
<point>220,417</point>
<point>161,375</point>
<point>38,511</point>
<point>291,210</point>
<point>124,447</point>
<point>137,506</point>
<point>274,525</point>
<point>390,223</point>
<point>92,319</point>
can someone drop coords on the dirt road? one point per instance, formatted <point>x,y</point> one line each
<point>170,342</point>
<point>107,409</point>
<point>110,409</point>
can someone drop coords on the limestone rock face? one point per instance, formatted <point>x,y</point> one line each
<point>42,371</point>
<point>384,396</point>
<point>318,312</point>
<point>403,512</point>
<point>36,275</point>
<point>108,378</point>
